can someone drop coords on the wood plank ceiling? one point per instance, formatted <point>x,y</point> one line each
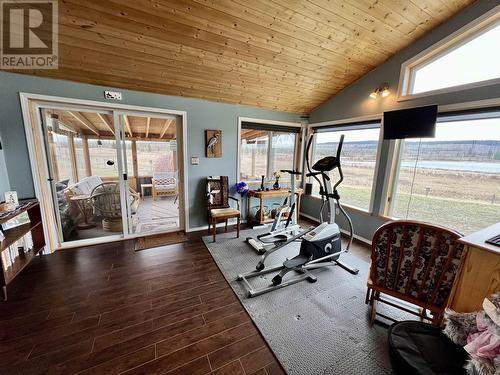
<point>288,55</point>
<point>96,125</point>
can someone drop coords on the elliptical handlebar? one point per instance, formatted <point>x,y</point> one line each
<point>339,166</point>
<point>291,171</point>
<point>308,164</point>
<point>339,148</point>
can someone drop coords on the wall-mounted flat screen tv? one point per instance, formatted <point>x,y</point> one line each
<point>417,122</point>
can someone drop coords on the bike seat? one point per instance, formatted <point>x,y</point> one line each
<point>296,261</point>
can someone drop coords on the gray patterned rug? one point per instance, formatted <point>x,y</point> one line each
<point>313,328</point>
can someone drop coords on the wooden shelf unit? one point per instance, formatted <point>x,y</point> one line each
<point>12,235</point>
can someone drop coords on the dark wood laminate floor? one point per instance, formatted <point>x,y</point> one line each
<point>106,309</point>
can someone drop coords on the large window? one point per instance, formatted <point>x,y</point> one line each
<point>452,179</point>
<point>471,57</point>
<point>263,152</point>
<point>358,158</point>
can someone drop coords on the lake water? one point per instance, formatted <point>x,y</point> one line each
<point>466,166</point>
<point>469,166</point>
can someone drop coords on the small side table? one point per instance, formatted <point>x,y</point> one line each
<point>81,202</point>
<point>145,186</point>
<point>267,194</point>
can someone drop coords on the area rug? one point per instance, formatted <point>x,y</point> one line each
<point>313,328</point>
<point>148,242</point>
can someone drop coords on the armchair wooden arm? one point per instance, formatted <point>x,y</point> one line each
<point>237,201</point>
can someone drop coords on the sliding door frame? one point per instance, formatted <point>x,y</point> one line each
<point>31,105</point>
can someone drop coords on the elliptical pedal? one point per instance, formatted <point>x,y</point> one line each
<point>295,262</point>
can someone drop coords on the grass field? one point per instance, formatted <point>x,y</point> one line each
<point>464,216</point>
<point>465,201</point>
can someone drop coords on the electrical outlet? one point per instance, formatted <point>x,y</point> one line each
<point>195,160</point>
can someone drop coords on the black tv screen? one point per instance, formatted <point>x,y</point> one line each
<point>417,122</point>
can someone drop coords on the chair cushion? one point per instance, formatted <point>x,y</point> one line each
<point>219,212</point>
<point>416,259</point>
<point>165,187</point>
<point>85,185</point>
<point>420,348</point>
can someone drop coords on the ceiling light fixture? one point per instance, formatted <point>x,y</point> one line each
<point>382,91</point>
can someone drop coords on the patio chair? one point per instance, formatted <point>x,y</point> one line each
<point>164,184</point>
<point>105,199</point>
<point>414,262</point>
<point>218,208</point>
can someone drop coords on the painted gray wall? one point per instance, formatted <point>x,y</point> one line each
<point>4,178</point>
<point>201,115</point>
<point>354,101</point>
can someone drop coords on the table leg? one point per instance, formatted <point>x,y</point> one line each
<point>261,210</point>
<point>82,208</point>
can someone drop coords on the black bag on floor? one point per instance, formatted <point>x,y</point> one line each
<point>420,348</point>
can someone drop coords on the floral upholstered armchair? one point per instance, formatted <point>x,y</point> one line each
<point>414,262</point>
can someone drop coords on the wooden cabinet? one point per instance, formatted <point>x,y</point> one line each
<point>479,273</point>
<point>19,260</point>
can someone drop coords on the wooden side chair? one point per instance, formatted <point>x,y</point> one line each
<point>218,208</point>
<point>414,262</point>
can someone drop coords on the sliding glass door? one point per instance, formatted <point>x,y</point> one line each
<point>151,172</point>
<point>111,173</point>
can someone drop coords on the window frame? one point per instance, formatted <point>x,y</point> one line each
<point>354,124</point>
<point>298,149</point>
<point>468,32</point>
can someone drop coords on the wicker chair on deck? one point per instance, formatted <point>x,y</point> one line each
<point>414,262</point>
<point>105,199</point>
<point>218,208</point>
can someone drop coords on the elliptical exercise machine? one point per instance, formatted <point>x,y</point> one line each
<point>321,246</point>
<point>282,231</point>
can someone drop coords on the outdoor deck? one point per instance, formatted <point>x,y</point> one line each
<point>152,216</point>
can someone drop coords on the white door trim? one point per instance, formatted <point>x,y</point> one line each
<point>50,232</point>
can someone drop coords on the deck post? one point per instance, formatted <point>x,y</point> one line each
<point>86,156</point>
<point>72,158</point>
<point>135,164</point>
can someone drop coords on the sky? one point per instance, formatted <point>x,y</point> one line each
<point>484,129</point>
<point>477,60</point>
